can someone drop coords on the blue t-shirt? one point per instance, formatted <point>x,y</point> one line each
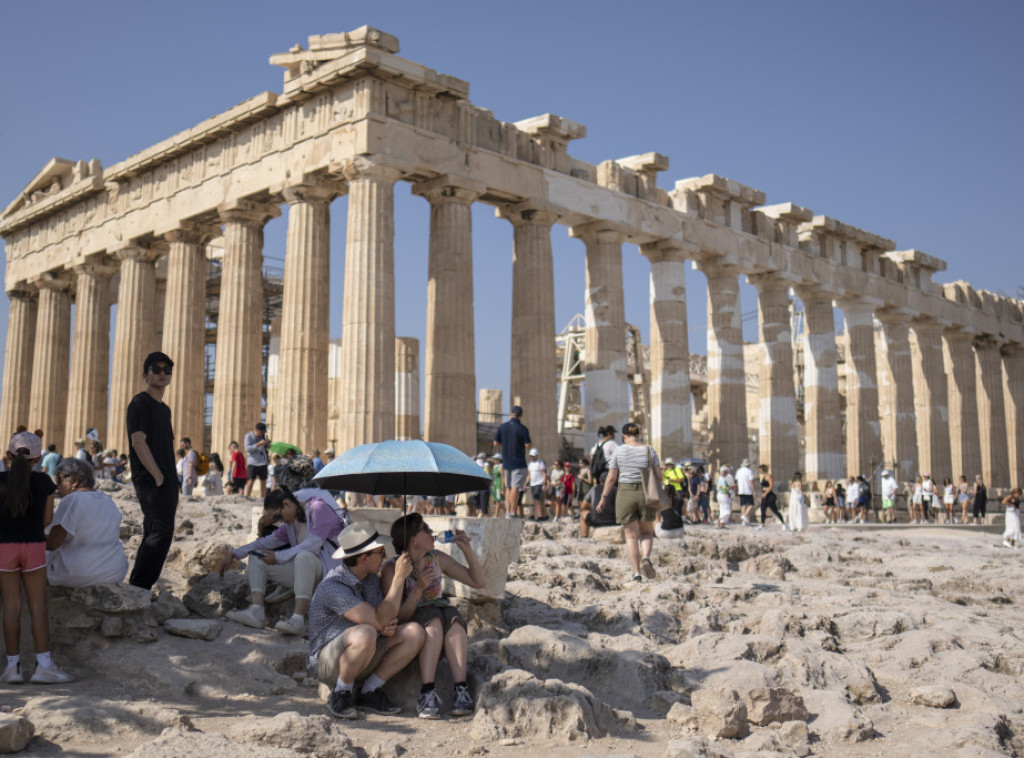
<point>514,437</point>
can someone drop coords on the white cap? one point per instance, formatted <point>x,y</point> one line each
<point>533,451</point>
<point>29,441</point>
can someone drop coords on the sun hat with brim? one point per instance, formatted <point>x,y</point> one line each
<point>359,538</point>
<point>29,442</point>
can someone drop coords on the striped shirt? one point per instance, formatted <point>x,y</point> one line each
<point>631,460</point>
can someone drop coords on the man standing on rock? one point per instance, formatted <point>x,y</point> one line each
<point>154,473</point>
<point>257,458</point>
<point>513,438</point>
<point>189,474</point>
<point>353,625</point>
<point>745,489</point>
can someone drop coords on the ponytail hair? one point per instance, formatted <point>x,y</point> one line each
<point>19,474</point>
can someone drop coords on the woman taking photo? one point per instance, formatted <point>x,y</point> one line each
<point>625,470</point>
<point>26,509</point>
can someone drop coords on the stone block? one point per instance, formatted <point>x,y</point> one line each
<point>496,543</point>
<point>610,535</point>
<point>201,629</point>
<point>768,704</point>
<point>721,713</point>
<point>15,732</point>
<point>381,518</point>
<point>933,696</point>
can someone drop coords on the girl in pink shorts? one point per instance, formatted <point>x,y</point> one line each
<point>26,509</point>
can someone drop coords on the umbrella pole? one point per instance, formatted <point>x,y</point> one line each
<point>405,509</point>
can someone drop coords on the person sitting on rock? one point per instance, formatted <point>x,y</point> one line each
<point>307,535</point>
<point>423,602</point>
<point>84,540</point>
<point>354,630</point>
<point>592,516</point>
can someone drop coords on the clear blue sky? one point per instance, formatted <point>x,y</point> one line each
<point>901,118</point>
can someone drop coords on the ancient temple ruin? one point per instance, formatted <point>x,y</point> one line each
<point>355,118</point>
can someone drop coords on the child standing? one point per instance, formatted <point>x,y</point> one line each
<point>26,508</point>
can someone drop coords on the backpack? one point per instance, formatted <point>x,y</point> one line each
<point>598,464</point>
<point>202,463</point>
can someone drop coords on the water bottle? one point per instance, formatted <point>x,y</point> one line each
<point>446,536</point>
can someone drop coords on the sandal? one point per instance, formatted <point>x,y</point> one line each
<point>648,568</point>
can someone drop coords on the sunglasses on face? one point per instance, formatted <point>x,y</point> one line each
<point>165,370</point>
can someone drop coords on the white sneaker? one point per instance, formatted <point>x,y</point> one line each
<point>1006,543</point>
<point>760,527</point>
<point>252,616</point>
<point>12,675</point>
<point>51,675</point>
<point>287,626</point>
<point>785,527</point>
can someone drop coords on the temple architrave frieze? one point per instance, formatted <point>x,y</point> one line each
<point>923,377</point>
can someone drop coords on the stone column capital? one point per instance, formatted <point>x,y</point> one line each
<point>958,334</point>
<point>1012,350</point>
<point>667,250</point>
<point>894,316</point>
<point>193,232</point>
<point>987,342</point>
<point>55,281</point>
<point>138,253</point>
<point>22,291</point>
<point>314,190</point>
<point>449,189</point>
<point>370,168</point>
<point>770,281</point>
<point>810,293</point>
<point>248,212</point>
<point>715,270</point>
<point>96,269</point>
<point>602,232</point>
<point>857,304</point>
<point>527,214</point>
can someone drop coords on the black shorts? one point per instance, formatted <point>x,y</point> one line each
<point>448,614</point>
<point>238,483</point>
<point>746,499</point>
<point>538,493</point>
<point>257,472</point>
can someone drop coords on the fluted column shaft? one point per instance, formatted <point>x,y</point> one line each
<point>238,387</point>
<point>824,444</point>
<point>89,381</point>
<point>449,355</point>
<point>17,388</point>
<point>962,384</point>
<point>779,443</point>
<point>51,362</point>
<point>671,405</point>
<point>184,330</point>
<point>727,381</point>
<point>896,396</point>
<point>134,336</point>
<point>367,402</point>
<point>606,375</point>
<point>407,388</point>
<point>931,401</point>
<point>995,463</point>
<point>300,410</point>
<point>1013,385</point>
<point>533,325</point>
<point>863,428</point>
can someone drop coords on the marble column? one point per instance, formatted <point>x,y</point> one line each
<point>51,361</point>
<point>489,407</point>
<point>931,398</point>
<point>407,388</point>
<point>300,410</point>
<point>727,381</point>
<point>962,383</point>
<point>822,425</point>
<point>863,428</point>
<point>449,359</point>
<point>995,463</point>
<point>88,388</point>
<point>671,431</point>
<point>533,325</point>
<point>1013,386</point>
<point>183,334</point>
<point>367,399</point>
<point>238,387</point>
<point>896,395</point>
<point>779,440</point>
<point>21,333</point>
<point>134,336</point>
<point>606,375</point>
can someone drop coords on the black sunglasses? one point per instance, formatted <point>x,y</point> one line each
<point>165,370</point>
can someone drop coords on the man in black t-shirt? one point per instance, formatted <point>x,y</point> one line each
<point>154,474</point>
<point>512,437</point>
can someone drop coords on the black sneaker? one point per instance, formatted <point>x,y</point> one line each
<point>378,702</point>
<point>427,705</point>
<point>463,705</point>
<point>342,705</point>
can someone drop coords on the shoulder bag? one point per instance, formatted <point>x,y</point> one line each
<point>654,490</point>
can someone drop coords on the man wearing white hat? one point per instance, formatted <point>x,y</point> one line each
<point>353,626</point>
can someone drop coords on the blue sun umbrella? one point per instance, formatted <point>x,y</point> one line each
<point>404,467</point>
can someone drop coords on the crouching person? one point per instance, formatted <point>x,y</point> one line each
<point>354,629</point>
<point>425,604</point>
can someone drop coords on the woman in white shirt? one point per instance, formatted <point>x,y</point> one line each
<point>797,504</point>
<point>84,542</point>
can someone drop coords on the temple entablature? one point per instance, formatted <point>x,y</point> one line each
<point>718,200</point>
<point>912,267</point>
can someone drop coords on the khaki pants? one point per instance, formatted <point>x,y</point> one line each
<point>303,573</point>
<point>327,661</point>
